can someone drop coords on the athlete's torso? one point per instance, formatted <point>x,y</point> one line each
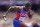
<point>21,15</point>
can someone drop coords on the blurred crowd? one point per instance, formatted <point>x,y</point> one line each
<point>5,4</point>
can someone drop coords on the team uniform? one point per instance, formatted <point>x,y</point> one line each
<point>20,16</point>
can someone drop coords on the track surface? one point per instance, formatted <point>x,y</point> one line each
<point>10,17</point>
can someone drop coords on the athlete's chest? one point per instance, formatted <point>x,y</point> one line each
<point>23,13</point>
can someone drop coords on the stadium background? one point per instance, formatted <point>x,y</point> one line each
<point>5,4</point>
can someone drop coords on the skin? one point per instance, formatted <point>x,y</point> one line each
<point>16,8</point>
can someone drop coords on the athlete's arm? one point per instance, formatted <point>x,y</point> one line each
<point>12,8</point>
<point>30,14</point>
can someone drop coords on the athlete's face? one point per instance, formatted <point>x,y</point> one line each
<point>28,7</point>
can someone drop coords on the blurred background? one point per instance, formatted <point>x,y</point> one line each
<point>5,4</point>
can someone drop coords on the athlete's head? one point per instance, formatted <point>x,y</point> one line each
<point>28,6</point>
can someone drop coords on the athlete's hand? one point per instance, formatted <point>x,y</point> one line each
<point>4,16</point>
<point>32,12</point>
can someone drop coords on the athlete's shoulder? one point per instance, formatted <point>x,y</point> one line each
<point>17,7</point>
<point>22,6</point>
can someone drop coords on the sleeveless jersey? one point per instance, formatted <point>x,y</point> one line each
<point>21,15</point>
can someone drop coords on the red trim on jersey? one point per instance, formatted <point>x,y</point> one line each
<point>17,15</point>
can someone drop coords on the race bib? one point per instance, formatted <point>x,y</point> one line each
<point>22,18</point>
